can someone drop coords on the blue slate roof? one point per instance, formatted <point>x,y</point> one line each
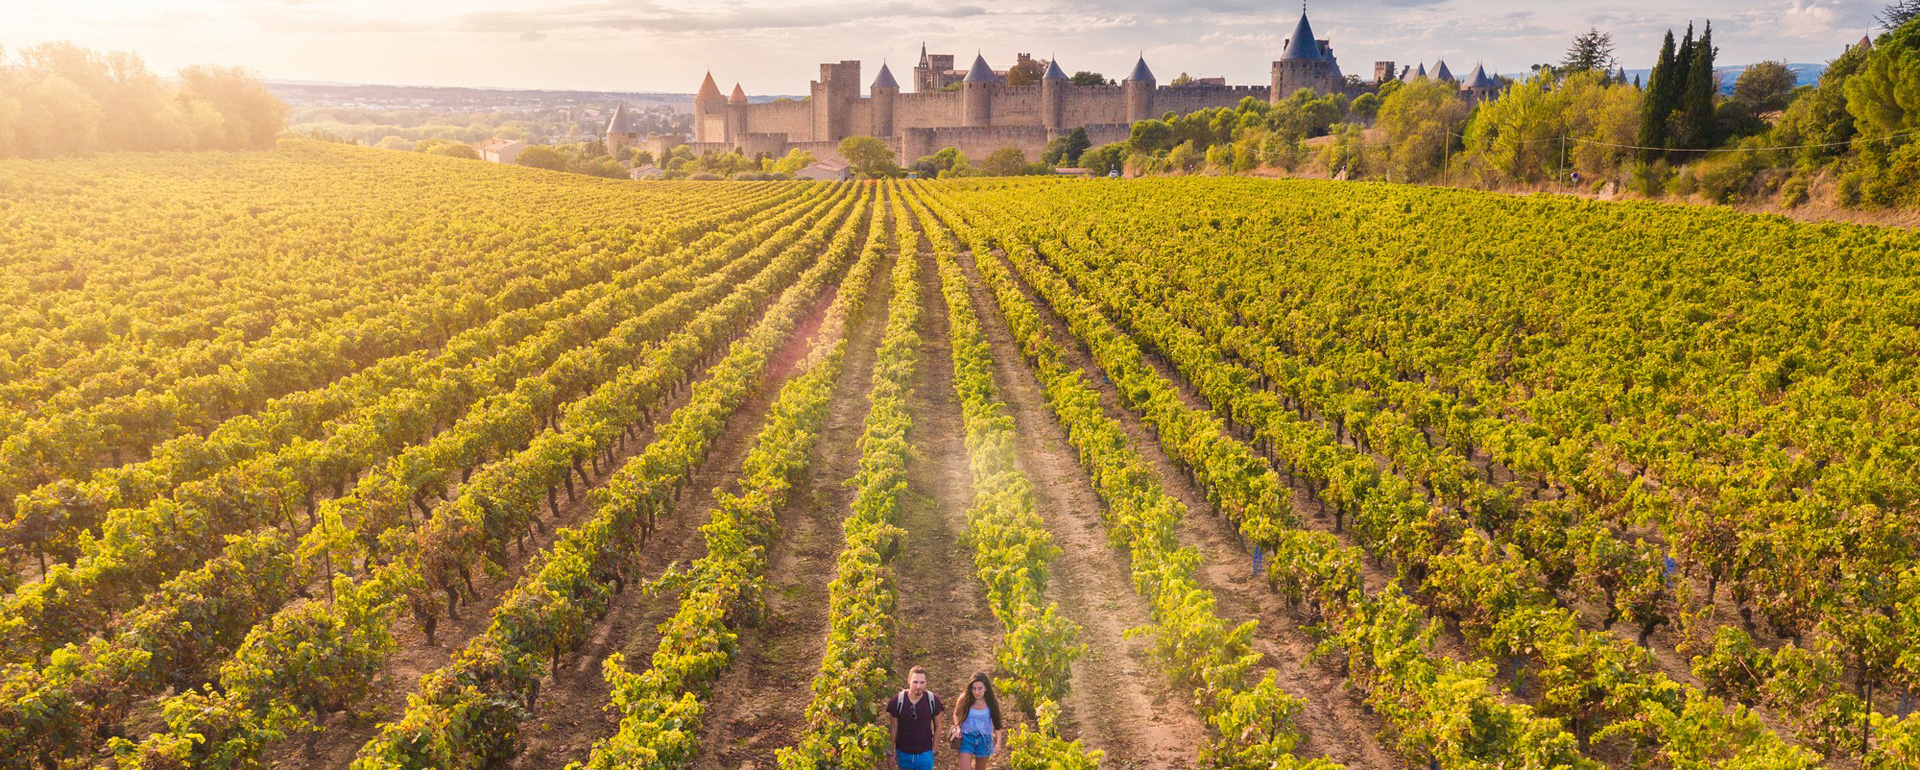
<point>981,73</point>
<point>1053,72</point>
<point>1302,44</point>
<point>1140,71</point>
<point>1479,79</point>
<point>885,78</point>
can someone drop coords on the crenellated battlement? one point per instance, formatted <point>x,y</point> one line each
<point>985,110</point>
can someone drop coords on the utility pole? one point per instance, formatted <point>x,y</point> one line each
<point>1563,152</point>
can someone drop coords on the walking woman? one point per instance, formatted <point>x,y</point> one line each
<point>977,724</point>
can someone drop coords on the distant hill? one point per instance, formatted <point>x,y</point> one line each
<point>299,93</point>
<point>1808,74</point>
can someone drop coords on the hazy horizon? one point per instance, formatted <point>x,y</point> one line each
<point>666,46</point>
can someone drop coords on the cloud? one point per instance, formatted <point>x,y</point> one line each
<point>664,19</point>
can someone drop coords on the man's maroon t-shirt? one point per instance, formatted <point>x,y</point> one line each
<point>915,735</point>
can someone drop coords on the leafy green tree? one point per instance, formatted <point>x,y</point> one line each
<point>792,162</point>
<point>1066,150</point>
<point>1764,87</point>
<point>1881,98</point>
<point>1086,78</point>
<point>949,162</point>
<point>1365,107</point>
<point>1663,94</point>
<point>252,116</point>
<point>1006,161</point>
<point>1182,79</point>
<point>1818,121</point>
<point>1105,159</point>
<point>1897,15</point>
<point>1592,50</point>
<point>1151,136</point>
<point>455,150</point>
<point>1026,73</point>
<point>1694,124</point>
<point>871,158</point>
<point>542,156</point>
<point>1418,120</point>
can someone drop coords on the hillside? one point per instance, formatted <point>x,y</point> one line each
<point>331,456</point>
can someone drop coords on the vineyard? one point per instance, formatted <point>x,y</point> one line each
<point>336,457</point>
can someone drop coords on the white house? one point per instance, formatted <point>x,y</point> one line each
<point>501,150</point>
<point>835,170</point>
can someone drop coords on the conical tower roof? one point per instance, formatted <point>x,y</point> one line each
<point>884,79</point>
<point>1440,72</point>
<point>738,96</point>
<point>709,92</point>
<point>1415,74</point>
<point>622,121</point>
<point>1054,72</point>
<point>980,72</point>
<point>1478,79</point>
<point>1140,71</point>
<point>1302,44</point>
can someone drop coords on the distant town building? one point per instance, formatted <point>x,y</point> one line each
<point>501,150</point>
<point>644,171</point>
<point>832,170</point>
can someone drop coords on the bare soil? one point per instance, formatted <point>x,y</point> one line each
<point>676,539</point>
<point>761,699</point>
<point>944,622</point>
<point>573,712</point>
<point>1336,722</point>
<point>1120,701</point>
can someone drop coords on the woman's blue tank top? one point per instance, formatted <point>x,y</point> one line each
<point>979,721</point>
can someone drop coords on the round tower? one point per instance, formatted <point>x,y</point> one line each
<point>1303,63</point>
<point>1138,88</point>
<point>736,114</point>
<point>976,94</point>
<point>709,112</point>
<point>1053,97</point>
<point>883,91</point>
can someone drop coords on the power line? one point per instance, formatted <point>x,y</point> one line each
<point>1463,137</point>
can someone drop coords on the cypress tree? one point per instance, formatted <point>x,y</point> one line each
<point>1696,129</point>
<point>1656,107</point>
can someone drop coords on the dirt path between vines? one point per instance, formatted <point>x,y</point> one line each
<point>1335,723</point>
<point>759,701</point>
<point>944,621</point>
<point>1120,700</point>
<point>1663,647</point>
<point>675,539</point>
<point>573,712</point>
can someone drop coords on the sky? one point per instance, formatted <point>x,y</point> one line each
<point>776,48</point>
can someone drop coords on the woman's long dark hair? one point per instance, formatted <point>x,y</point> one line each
<point>993,700</point>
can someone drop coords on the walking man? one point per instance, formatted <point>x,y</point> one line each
<point>914,711</point>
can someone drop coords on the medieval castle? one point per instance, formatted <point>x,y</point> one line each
<point>983,114</point>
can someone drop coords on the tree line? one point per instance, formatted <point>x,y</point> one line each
<point>1581,125</point>
<point>60,99</point>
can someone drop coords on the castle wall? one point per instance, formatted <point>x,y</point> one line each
<point>795,119</point>
<point>976,141</point>
<point>1185,99</point>
<point>1088,105</point>
<point>1108,133</point>
<point>1016,106</point>
<point>859,118</point>
<point>941,108</point>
